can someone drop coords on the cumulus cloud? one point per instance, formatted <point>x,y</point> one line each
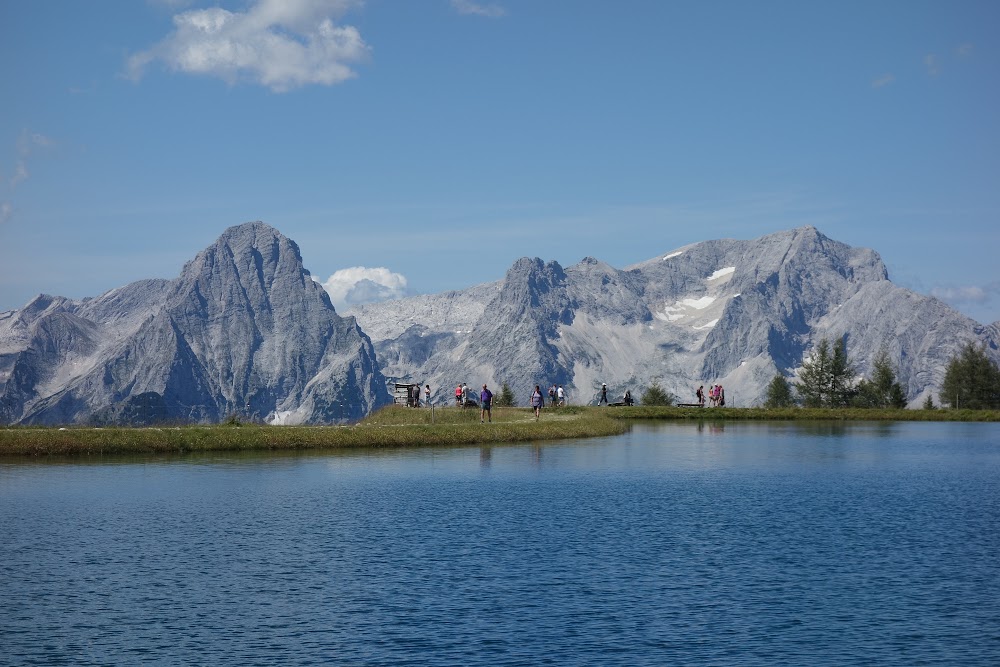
<point>883,80</point>
<point>478,8</point>
<point>359,284</point>
<point>280,44</point>
<point>968,294</point>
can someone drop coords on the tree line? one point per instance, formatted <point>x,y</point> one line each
<point>828,380</point>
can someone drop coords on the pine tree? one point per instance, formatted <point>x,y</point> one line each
<point>929,403</point>
<point>656,395</point>
<point>814,379</point>
<point>506,398</point>
<point>971,381</point>
<point>779,393</point>
<point>882,390</point>
<point>826,380</point>
<point>842,388</point>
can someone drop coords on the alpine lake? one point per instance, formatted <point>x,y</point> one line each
<point>693,543</point>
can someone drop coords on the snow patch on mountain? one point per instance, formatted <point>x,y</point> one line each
<point>727,271</point>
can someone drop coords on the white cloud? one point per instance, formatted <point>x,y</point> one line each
<point>478,9</point>
<point>359,284</point>
<point>280,44</point>
<point>20,173</point>
<point>965,50</point>
<point>968,294</point>
<point>28,143</point>
<point>883,80</point>
<point>932,64</point>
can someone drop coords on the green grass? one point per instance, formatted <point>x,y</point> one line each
<point>406,427</point>
<point>390,427</point>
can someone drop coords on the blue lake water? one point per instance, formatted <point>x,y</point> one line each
<point>675,544</point>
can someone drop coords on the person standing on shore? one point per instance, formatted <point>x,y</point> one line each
<point>427,394</point>
<point>604,394</point>
<point>561,395</point>
<point>536,401</point>
<point>701,395</point>
<point>458,395</point>
<point>485,403</point>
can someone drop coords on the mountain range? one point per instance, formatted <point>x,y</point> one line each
<point>730,312</point>
<point>245,331</point>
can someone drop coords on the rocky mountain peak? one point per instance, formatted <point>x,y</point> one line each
<point>243,330</point>
<point>731,311</point>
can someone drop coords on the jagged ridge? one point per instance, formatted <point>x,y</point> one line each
<point>729,311</point>
<point>244,330</point>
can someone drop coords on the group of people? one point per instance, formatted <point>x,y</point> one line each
<point>716,396</point>
<point>462,399</point>
<point>626,398</point>
<point>557,395</point>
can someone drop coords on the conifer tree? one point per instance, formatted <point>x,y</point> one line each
<point>814,378</point>
<point>656,395</point>
<point>971,381</point>
<point>826,378</point>
<point>779,393</point>
<point>882,390</point>
<point>506,398</point>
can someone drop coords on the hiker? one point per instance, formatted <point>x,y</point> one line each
<point>427,394</point>
<point>627,398</point>
<point>465,394</point>
<point>604,394</point>
<point>701,395</point>
<point>722,397</point>
<point>561,395</point>
<point>458,395</point>
<point>485,402</point>
<point>552,395</point>
<point>537,401</point>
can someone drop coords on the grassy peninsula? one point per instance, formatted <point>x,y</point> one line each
<point>406,427</point>
<point>390,427</point>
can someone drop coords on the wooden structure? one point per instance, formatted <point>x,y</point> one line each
<point>407,394</point>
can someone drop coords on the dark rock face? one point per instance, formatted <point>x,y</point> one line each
<point>244,330</point>
<point>724,311</point>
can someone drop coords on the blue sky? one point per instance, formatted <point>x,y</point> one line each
<point>434,142</point>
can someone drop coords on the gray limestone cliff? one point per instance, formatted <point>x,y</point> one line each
<point>244,330</point>
<point>726,311</point>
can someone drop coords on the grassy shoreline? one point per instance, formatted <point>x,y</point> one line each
<point>391,427</point>
<point>404,427</point>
